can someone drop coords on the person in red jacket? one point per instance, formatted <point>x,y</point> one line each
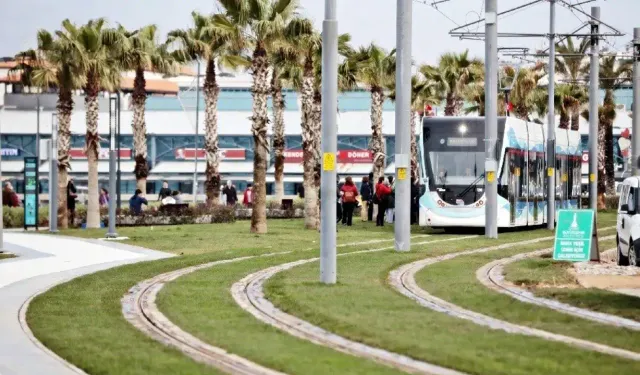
<point>349,192</point>
<point>247,200</point>
<point>382,192</point>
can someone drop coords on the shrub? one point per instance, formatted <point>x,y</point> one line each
<point>13,217</point>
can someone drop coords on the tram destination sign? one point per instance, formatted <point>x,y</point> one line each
<point>574,235</point>
<point>462,142</point>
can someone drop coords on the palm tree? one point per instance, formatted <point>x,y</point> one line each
<point>452,74</point>
<point>205,41</point>
<point>606,115</point>
<point>279,74</point>
<point>102,71</point>
<point>376,70</point>
<point>614,73</point>
<point>261,24</point>
<point>140,53</point>
<point>54,63</point>
<point>526,82</point>
<point>573,65</point>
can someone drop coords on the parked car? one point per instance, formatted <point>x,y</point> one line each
<point>628,223</point>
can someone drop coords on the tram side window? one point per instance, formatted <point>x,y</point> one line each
<point>517,174</point>
<point>536,175</point>
<point>577,178</point>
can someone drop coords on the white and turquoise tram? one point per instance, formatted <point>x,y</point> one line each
<point>452,151</point>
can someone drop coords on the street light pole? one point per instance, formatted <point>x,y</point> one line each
<point>594,78</point>
<point>1,204</point>
<point>491,118</point>
<point>195,139</point>
<point>635,148</point>
<point>53,181</point>
<point>112,167</point>
<point>402,227</point>
<point>551,126</point>
<point>118,141</point>
<point>328,272</point>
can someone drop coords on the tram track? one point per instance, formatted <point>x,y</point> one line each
<point>491,275</point>
<point>403,280</point>
<point>140,309</point>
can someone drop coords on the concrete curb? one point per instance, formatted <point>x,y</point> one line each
<point>491,275</point>
<point>403,280</point>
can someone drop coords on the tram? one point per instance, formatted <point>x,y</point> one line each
<point>452,151</point>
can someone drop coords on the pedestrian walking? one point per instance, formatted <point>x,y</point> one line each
<point>370,205</point>
<point>381,196</point>
<point>349,201</point>
<point>366,195</point>
<point>231,194</point>
<point>72,195</point>
<point>391,201</point>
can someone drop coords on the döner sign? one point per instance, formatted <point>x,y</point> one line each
<point>343,156</point>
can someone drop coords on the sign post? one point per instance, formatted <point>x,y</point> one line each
<point>31,192</point>
<point>576,239</point>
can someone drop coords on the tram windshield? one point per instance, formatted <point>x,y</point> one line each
<point>456,168</point>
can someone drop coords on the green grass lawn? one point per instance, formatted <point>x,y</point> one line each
<point>284,234</point>
<point>82,321</point>
<point>544,278</point>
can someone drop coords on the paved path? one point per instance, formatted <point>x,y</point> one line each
<point>44,261</point>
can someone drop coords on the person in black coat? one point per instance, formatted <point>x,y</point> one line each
<point>415,191</point>
<point>366,193</point>
<point>370,206</point>
<point>339,203</point>
<point>164,191</point>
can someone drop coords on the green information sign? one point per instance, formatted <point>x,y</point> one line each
<point>574,235</point>
<point>30,192</point>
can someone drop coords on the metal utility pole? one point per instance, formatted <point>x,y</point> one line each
<point>491,117</point>
<point>635,146</point>
<point>53,180</point>
<point>594,80</point>
<point>38,113</point>
<point>195,139</point>
<point>328,187</point>
<point>404,131</point>
<point>551,126</point>
<point>112,166</point>
<point>119,173</point>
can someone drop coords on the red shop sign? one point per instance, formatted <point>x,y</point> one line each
<point>344,156</point>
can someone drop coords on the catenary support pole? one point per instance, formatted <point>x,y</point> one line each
<point>53,183</point>
<point>404,131</point>
<point>491,118</point>
<point>195,139</point>
<point>594,78</point>
<point>551,122</point>
<point>328,272</point>
<point>635,147</point>
<point>38,113</point>
<point>118,142</point>
<point>112,167</point>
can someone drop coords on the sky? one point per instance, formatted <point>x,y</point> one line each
<point>366,20</point>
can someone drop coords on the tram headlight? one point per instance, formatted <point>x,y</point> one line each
<point>462,129</point>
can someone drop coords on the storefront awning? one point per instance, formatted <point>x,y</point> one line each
<point>82,167</point>
<point>184,167</point>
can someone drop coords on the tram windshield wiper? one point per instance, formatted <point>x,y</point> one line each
<point>471,186</point>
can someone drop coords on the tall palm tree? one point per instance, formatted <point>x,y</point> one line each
<point>140,53</point>
<point>54,64</point>
<point>102,72</point>
<point>452,74</point>
<point>526,82</point>
<point>614,73</point>
<point>606,115</point>
<point>376,70</point>
<point>573,65</point>
<point>279,74</point>
<point>261,24</point>
<point>205,41</point>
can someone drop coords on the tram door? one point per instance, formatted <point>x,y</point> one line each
<point>517,191</point>
<point>563,191</point>
<point>535,185</point>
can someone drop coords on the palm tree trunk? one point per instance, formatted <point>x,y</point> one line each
<point>450,105</point>
<point>92,147</point>
<point>575,119</point>
<point>414,146</point>
<point>211,91</point>
<point>310,143</point>
<point>278,134</point>
<point>260,92</point>
<point>376,145</point>
<point>602,178</point>
<point>65,107</point>
<point>139,98</point>
<point>564,120</point>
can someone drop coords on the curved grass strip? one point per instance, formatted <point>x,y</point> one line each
<point>446,281</point>
<point>491,275</point>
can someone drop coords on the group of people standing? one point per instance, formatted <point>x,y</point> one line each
<point>382,196</point>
